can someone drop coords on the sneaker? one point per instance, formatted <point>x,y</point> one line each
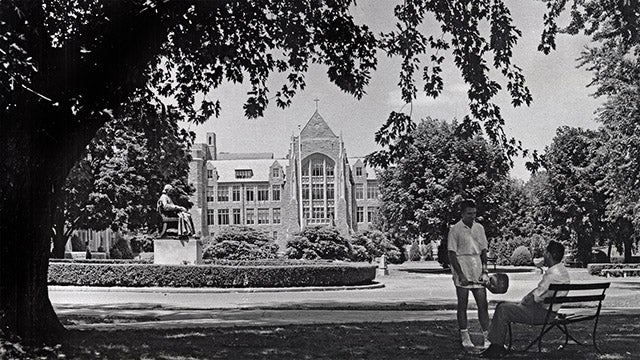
<point>494,351</point>
<point>466,339</point>
<point>487,343</point>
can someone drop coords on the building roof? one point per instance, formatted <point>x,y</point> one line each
<point>226,169</point>
<point>317,128</point>
<point>239,156</point>
<point>371,171</point>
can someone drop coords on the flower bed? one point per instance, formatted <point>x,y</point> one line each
<point>214,275</point>
<point>596,268</point>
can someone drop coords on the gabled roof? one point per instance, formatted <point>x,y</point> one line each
<point>226,169</point>
<point>359,161</point>
<point>317,128</point>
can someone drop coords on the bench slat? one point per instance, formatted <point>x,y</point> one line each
<point>589,286</point>
<point>573,299</point>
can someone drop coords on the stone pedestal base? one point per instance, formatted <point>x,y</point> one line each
<point>177,252</point>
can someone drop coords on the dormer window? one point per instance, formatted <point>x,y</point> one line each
<point>358,171</point>
<point>275,172</point>
<point>244,173</point>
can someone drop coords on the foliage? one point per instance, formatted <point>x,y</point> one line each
<point>376,244</point>
<point>319,242</point>
<point>120,249</point>
<point>503,248</point>
<point>240,243</point>
<point>414,252</point>
<point>596,268</point>
<point>141,243</point>
<point>419,195</point>
<point>521,256</point>
<point>426,251</point>
<point>145,275</point>
<point>13,348</point>
<point>578,204</point>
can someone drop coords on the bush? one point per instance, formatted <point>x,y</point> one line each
<point>596,269</point>
<point>414,252</point>
<point>145,275</point>
<point>319,242</point>
<point>240,243</point>
<point>120,249</point>
<point>599,256</point>
<point>141,243</point>
<point>443,254</point>
<point>503,248</point>
<point>426,251</point>
<point>77,244</point>
<point>377,244</point>
<point>521,256</point>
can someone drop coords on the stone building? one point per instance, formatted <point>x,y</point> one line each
<point>315,184</point>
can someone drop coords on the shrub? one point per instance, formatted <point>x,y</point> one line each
<point>145,275</point>
<point>414,252</point>
<point>503,248</point>
<point>377,244</point>
<point>319,242</point>
<point>141,243</point>
<point>120,249</point>
<point>77,244</point>
<point>521,256</point>
<point>426,251</point>
<point>240,243</point>
<point>596,269</point>
<point>599,256</point>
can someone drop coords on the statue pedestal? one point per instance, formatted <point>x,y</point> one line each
<point>177,252</point>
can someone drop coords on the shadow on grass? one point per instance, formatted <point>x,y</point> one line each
<point>448,271</point>
<point>618,339</point>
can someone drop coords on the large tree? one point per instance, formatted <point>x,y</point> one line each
<point>66,67</point>
<point>419,194</point>
<point>117,182</point>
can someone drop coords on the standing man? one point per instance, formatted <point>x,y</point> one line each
<point>467,245</point>
<point>531,309</point>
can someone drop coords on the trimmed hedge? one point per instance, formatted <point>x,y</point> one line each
<point>596,268</point>
<point>150,275</point>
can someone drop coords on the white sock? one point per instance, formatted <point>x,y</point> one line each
<point>486,338</point>
<point>466,340</point>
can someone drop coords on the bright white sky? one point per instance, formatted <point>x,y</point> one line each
<point>558,87</point>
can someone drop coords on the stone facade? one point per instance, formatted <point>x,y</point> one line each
<point>314,185</point>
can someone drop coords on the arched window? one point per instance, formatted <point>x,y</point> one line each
<point>318,188</point>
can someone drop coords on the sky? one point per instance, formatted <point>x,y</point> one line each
<point>559,89</point>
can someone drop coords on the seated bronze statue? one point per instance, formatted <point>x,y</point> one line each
<point>174,216</point>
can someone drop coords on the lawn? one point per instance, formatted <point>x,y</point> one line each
<point>619,338</point>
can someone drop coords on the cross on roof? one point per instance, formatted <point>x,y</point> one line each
<point>316,100</point>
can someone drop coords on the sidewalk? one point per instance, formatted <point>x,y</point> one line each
<point>412,292</point>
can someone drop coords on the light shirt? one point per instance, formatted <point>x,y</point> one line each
<point>557,274</point>
<point>468,243</point>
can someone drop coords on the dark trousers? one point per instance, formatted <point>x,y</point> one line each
<point>507,312</point>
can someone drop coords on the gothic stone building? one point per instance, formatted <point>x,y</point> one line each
<point>316,184</point>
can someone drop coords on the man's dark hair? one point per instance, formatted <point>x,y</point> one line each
<point>467,203</point>
<point>556,250</point>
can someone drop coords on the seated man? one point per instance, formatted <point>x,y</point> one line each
<point>167,208</point>
<point>530,310</point>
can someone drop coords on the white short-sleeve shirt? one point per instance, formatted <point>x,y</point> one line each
<point>468,243</point>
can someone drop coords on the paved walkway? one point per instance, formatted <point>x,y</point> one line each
<point>411,292</point>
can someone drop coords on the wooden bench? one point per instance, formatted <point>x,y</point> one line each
<point>553,319</point>
<point>624,272</point>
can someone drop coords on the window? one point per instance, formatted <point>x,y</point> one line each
<point>235,193</point>
<point>210,194</point>
<point>223,193</point>
<point>236,217</point>
<point>249,217</point>
<point>275,192</point>
<point>263,216</point>
<point>318,212</point>
<point>211,216</point>
<point>276,215</point>
<point>223,216</point>
<point>330,191</point>
<point>372,190</point>
<point>263,193</point>
<point>244,173</point>
<point>359,171</point>
<point>317,167</point>
<point>275,172</point>
<point>359,191</point>
<point>360,214</point>
<point>317,191</point>
<point>305,212</point>
<point>329,170</point>
<point>250,192</point>
<point>371,214</point>
<point>305,191</point>
<point>209,173</point>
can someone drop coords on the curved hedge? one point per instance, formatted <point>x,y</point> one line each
<point>150,275</point>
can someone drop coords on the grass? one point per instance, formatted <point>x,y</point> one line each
<point>619,338</point>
